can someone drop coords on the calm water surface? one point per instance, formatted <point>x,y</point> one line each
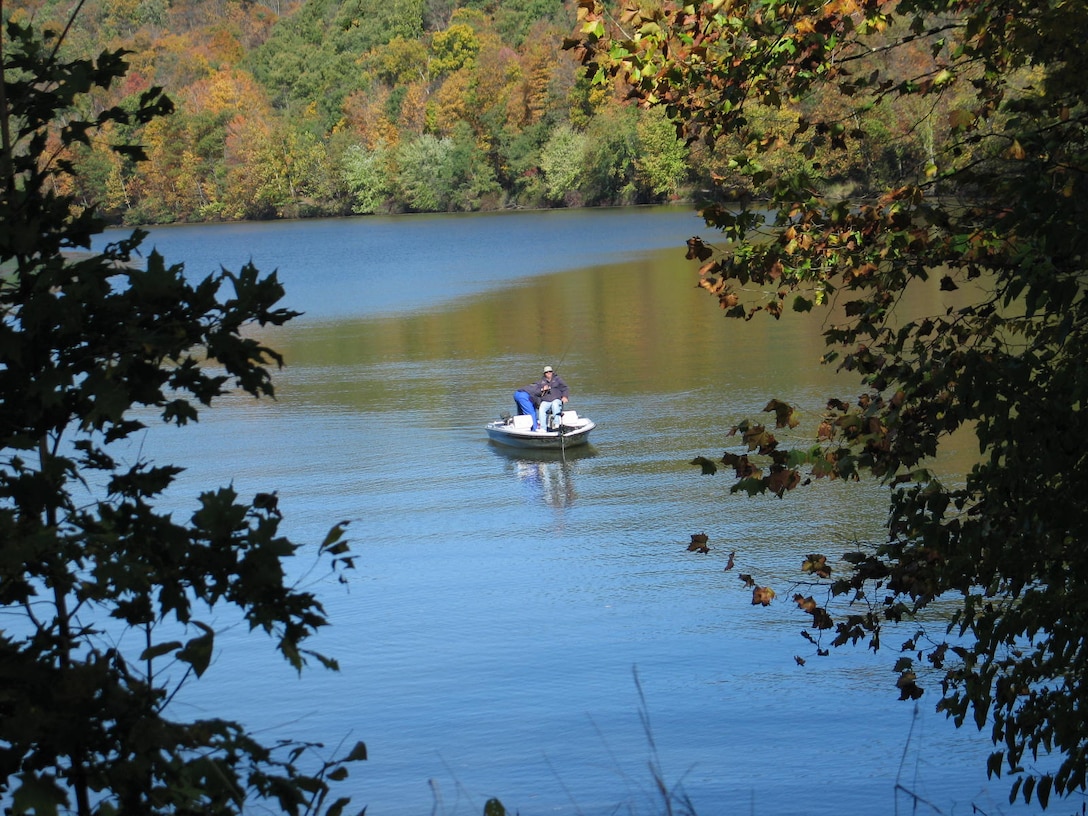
<point>535,629</point>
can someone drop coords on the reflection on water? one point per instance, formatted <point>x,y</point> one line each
<point>546,476</point>
<point>502,598</point>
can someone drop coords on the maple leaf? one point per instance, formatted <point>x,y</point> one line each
<point>784,415</point>
<point>782,479</point>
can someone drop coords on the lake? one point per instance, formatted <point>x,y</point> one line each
<point>535,629</point>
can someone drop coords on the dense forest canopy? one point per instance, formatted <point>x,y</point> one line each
<point>330,107</point>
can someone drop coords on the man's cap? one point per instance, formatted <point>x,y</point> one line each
<point>547,369</point>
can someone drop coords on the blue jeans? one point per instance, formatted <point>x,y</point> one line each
<point>525,405</point>
<point>554,406</point>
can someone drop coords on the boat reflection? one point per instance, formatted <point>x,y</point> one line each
<point>547,476</point>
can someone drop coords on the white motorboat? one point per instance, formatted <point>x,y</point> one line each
<point>516,432</point>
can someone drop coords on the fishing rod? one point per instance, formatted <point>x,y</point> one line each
<point>563,436</point>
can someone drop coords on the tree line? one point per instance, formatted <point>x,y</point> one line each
<point>334,108</point>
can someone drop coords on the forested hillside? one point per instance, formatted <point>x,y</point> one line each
<point>330,107</point>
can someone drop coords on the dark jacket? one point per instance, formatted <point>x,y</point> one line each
<point>556,389</point>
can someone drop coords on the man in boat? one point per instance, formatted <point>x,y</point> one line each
<point>546,395</point>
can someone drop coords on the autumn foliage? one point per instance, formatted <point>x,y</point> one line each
<point>331,108</point>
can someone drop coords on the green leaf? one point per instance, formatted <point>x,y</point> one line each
<point>708,467</point>
<point>358,753</point>
<point>39,795</point>
<point>198,651</point>
<point>334,535</point>
<point>159,650</point>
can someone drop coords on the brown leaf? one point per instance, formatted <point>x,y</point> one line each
<point>698,543</point>
<point>712,285</point>
<point>908,688</point>
<point>783,479</point>
<point>800,660</point>
<point>784,415</point>
<point>816,564</point>
<point>762,596</point>
<point>803,603</point>
<point>746,579</point>
<point>729,564</point>
<point>740,464</point>
<point>697,249</point>
<point>820,618</point>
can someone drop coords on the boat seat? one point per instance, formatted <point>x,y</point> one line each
<point>570,418</point>
<point>523,422</point>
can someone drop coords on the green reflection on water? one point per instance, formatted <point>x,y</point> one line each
<point>640,328</point>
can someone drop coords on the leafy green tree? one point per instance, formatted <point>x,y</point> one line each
<point>519,163</point>
<point>425,173</point>
<point>88,345</point>
<point>562,160</point>
<point>399,61</point>
<point>611,152</point>
<point>985,578</point>
<point>662,161</point>
<point>453,49</point>
<point>514,18</point>
<point>311,55</point>
<point>474,184</point>
<point>367,177</point>
<point>443,174</point>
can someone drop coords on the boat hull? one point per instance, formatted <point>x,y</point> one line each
<point>504,433</point>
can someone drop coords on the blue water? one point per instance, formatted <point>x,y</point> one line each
<point>381,264</point>
<point>535,629</point>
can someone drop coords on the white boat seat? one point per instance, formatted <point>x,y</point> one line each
<point>571,418</point>
<point>523,422</point>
